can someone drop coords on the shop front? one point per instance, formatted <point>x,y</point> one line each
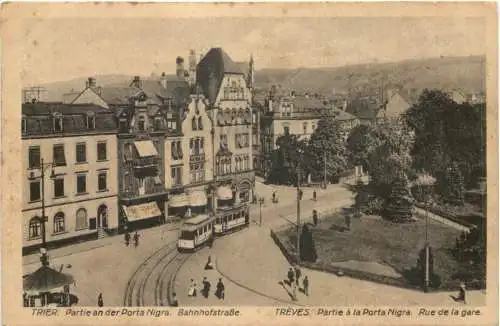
<point>142,215</point>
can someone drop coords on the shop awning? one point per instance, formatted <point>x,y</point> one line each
<point>145,148</point>
<point>142,211</point>
<point>180,200</point>
<point>224,193</point>
<point>45,279</point>
<point>197,198</point>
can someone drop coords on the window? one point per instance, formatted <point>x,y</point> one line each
<point>59,223</point>
<point>123,125</point>
<point>35,190</point>
<point>81,183</point>
<point>191,147</point>
<point>200,123</point>
<point>35,228</point>
<point>58,123</point>
<point>24,125</point>
<point>102,184</point>
<point>176,176</point>
<point>197,172</point>
<point>141,124</point>
<point>202,141</point>
<point>81,222</point>
<point>34,157</point>
<point>58,157</point>
<point>174,150</point>
<point>304,126</point>
<point>223,141</point>
<point>91,121</point>
<point>172,125</point>
<point>102,152</point>
<point>58,187</point>
<point>81,153</point>
<point>158,123</point>
<point>194,124</point>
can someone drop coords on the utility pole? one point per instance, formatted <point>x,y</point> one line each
<point>298,214</point>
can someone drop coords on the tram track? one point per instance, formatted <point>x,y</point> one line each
<point>146,285</point>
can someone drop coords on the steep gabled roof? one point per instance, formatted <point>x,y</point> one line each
<point>364,108</point>
<point>211,70</point>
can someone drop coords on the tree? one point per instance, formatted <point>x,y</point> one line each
<point>285,159</point>
<point>326,141</point>
<point>399,205</point>
<point>454,186</point>
<point>361,142</point>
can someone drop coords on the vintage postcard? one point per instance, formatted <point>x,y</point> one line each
<point>237,164</point>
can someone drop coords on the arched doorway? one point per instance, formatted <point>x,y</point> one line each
<point>102,216</point>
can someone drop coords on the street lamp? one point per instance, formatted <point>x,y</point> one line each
<point>425,183</point>
<point>261,202</point>
<point>43,218</point>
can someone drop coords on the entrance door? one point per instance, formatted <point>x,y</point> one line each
<point>102,216</point>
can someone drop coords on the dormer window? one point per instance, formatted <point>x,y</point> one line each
<point>57,122</point>
<point>90,120</point>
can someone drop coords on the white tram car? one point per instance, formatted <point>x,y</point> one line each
<point>195,233</point>
<point>231,219</point>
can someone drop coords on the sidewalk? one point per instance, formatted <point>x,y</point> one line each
<point>94,244</point>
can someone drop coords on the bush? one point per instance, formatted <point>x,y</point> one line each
<point>307,246</point>
<point>373,206</point>
<point>399,205</point>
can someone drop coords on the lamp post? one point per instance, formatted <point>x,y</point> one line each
<point>425,181</point>
<point>43,219</point>
<point>261,202</point>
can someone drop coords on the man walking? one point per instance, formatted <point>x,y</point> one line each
<point>305,284</point>
<point>136,239</point>
<point>290,276</point>
<point>314,194</point>
<point>127,238</point>
<point>100,302</point>
<point>297,275</point>
<point>315,217</point>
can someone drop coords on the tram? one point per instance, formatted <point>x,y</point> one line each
<point>195,233</point>
<point>231,219</point>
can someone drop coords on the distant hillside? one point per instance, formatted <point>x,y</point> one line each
<point>467,73</point>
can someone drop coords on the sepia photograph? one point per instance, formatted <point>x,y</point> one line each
<point>320,165</point>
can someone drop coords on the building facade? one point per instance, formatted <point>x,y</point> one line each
<point>77,145</point>
<point>225,87</point>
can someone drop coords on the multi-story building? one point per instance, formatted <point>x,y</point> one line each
<point>225,87</point>
<point>69,171</point>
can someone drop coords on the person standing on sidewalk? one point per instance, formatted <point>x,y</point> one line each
<point>136,239</point>
<point>315,217</point>
<point>314,194</point>
<point>290,276</point>
<point>100,302</point>
<point>219,292</point>
<point>297,275</point>
<point>462,293</point>
<point>305,284</point>
<point>127,238</point>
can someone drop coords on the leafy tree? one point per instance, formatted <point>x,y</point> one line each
<point>399,205</point>
<point>307,246</point>
<point>361,142</point>
<point>454,186</point>
<point>326,141</point>
<point>285,159</point>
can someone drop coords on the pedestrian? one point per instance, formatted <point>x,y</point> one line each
<point>219,292</point>
<point>127,238</point>
<point>206,287</point>
<point>174,303</point>
<point>314,194</point>
<point>315,217</point>
<point>136,239</point>
<point>100,302</point>
<point>301,193</point>
<point>462,293</point>
<point>192,289</point>
<point>290,276</point>
<point>297,275</point>
<point>274,197</point>
<point>305,284</point>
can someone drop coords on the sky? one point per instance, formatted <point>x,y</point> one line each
<point>59,49</point>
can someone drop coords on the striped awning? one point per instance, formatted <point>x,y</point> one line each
<point>142,211</point>
<point>145,148</point>
<point>224,193</point>
<point>180,200</point>
<point>197,198</point>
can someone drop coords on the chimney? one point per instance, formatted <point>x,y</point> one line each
<point>180,67</point>
<point>90,82</point>
<point>136,82</point>
<point>163,80</point>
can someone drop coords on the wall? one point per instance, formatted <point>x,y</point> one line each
<point>71,201</point>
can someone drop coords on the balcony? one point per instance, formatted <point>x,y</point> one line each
<point>146,162</point>
<point>156,190</point>
<point>197,157</point>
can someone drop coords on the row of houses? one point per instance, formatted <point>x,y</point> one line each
<point>108,159</point>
